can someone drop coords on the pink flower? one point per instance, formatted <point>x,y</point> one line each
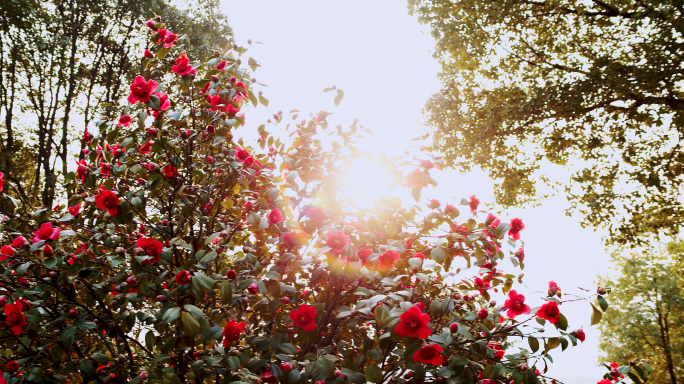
<point>82,170</point>
<point>434,203</point>
<point>241,154</point>
<point>473,203</point>
<point>449,209</point>
<point>124,121</point>
<point>2,181</point>
<point>492,221</point>
<point>6,252</point>
<point>170,171</point>
<point>182,278</point>
<point>232,331</point>
<point>337,241</point>
<point>141,90</point>
<point>108,200</point>
<point>429,354</point>
<point>420,255</point>
<point>481,284</point>
<point>316,214</point>
<point>183,66</point>
<point>147,54</point>
<point>167,37</point>
<point>46,232</point>
<point>18,242</point>
<point>146,148</point>
<point>415,179</point>
<point>222,65</point>
<point>363,255</point>
<point>387,259</point>
<point>515,304</point>
<point>164,102</point>
<point>150,23</point>
<point>516,226</point>
<point>105,169</point>
<point>275,217</point>
<point>553,288</point>
<point>293,239</point>
<point>413,323</point>
<point>579,333</point>
<point>550,312</point>
<point>75,210</point>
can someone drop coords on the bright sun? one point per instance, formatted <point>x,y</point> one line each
<point>367,180</point>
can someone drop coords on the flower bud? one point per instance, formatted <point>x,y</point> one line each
<point>210,159</point>
<point>148,54</point>
<point>47,251</point>
<point>286,300</point>
<point>143,375</point>
<point>233,80</point>
<point>601,291</point>
<point>120,250</point>
<point>216,53</point>
<point>453,327</point>
<point>211,128</point>
<point>408,374</point>
<point>214,78</point>
<point>161,298</point>
<point>152,131</point>
<point>142,181</point>
<point>73,313</point>
<point>3,301</point>
<point>184,133</point>
<point>482,314</point>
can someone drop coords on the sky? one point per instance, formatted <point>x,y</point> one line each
<point>382,59</point>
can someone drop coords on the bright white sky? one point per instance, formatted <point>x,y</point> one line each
<point>382,59</point>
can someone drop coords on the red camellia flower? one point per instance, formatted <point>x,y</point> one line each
<point>415,179</point>
<point>553,288</point>
<point>146,148</point>
<point>294,239</point>
<point>253,288</point>
<point>151,247</point>
<point>170,39</point>
<point>6,252</point>
<point>170,171</point>
<point>387,259</point>
<point>516,226</point>
<point>105,169</point>
<point>304,317</point>
<point>429,354</point>
<point>363,255</point>
<point>482,313</point>
<point>473,203</point>
<point>12,366</point>
<point>515,304</point>
<point>520,254</point>
<point>492,220</point>
<point>232,331</point>
<point>183,66</point>
<point>75,210</point>
<point>46,232</point>
<point>82,170</point>
<point>15,318</point>
<point>316,214</point>
<point>147,54</point>
<point>337,241</point>
<point>141,90</point>
<point>481,284</point>
<point>182,278</point>
<point>231,274</point>
<point>2,181</point>
<point>222,65</point>
<point>108,200</point>
<point>579,333</point>
<point>268,377</point>
<point>413,323</point>
<point>275,217</point>
<point>550,312</point>
<point>605,381</point>
<point>18,242</point>
<point>124,121</point>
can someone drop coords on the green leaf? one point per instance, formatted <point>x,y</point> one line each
<point>234,363</point>
<point>373,374</point>
<point>446,372</point>
<point>100,357</point>
<point>263,101</point>
<point>325,367</point>
<point>595,314</point>
<point>226,292</point>
<point>194,310</point>
<point>171,314</point>
<point>562,322</point>
<point>381,313</point>
<point>438,255</point>
<point>534,344</point>
<point>602,303</point>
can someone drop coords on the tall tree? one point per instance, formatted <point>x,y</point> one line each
<point>61,58</point>
<point>646,316</point>
<point>594,85</point>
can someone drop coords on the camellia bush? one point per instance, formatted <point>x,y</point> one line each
<point>184,255</point>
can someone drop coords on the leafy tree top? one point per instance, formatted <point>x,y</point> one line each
<point>593,85</point>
